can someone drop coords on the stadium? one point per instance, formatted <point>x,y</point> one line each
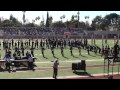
<point>62,50</point>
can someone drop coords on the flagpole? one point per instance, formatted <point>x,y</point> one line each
<point>78,18</point>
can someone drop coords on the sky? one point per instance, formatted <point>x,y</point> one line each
<point>31,15</point>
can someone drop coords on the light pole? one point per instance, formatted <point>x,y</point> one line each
<point>23,17</point>
<point>86,17</point>
<point>78,18</point>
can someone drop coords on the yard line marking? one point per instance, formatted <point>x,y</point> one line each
<point>73,61</point>
<point>72,76</point>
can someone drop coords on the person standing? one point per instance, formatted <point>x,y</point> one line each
<point>8,62</point>
<point>71,48</point>
<point>62,51</point>
<point>30,63</point>
<point>32,51</point>
<point>52,50</point>
<point>22,51</point>
<point>88,50</point>
<point>42,50</point>
<point>55,69</point>
<point>79,48</point>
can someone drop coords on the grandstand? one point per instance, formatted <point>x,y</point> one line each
<point>37,32</point>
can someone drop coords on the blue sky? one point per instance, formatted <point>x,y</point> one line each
<point>30,15</point>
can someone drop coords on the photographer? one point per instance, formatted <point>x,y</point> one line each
<point>55,69</point>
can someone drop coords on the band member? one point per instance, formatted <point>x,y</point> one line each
<point>16,49</point>
<point>0,45</point>
<point>9,45</point>
<point>18,43</point>
<point>62,51</point>
<point>106,52</point>
<point>99,50</point>
<point>102,51</point>
<point>52,50</point>
<point>37,43</point>
<point>32,43</point>
<point>116,48</point>
<point>21,44</point>
<point>95,49</point>
<point>32,51</point>
<point>14,55</point>
<point>65,43</point>
<point>55,69</point>
<point>71,48</point>
<point>15,44</point>
<point>8,62</point>
<point>12,43</point>
<point>105,41</point>
<point>41,43</point>
<point>29,42</point>
<point>22,51</point>
<point>79,48</point>
<point>88,49</point>
<point>9,53</point>
<point>42,50</point>
<point>30,63</point>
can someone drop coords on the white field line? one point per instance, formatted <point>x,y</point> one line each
<point>72,61</point>
<point>74,76</point>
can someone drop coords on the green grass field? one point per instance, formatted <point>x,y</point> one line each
<point>92,59</point>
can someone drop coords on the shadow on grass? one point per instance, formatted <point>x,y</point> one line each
<point>82,56</point>
<point>45,57</point>
<point>55,57</point>
<point>65,57</point>
<point>98,55</point>
<point>82,73</point>
<point>92,56</point>
<point>75,56</point>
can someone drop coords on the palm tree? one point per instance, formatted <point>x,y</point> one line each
<point>62,17</point>
<point>37,19</point>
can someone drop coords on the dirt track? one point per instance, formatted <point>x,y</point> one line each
<point>95,77</point>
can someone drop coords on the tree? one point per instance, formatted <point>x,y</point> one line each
<point>50,20</point>
<point>96,22</point>
<point>58,24</point>
<point>62,17</point>
<point>111,20</point>
<point>37,18</point>
<point>42,24</point>
<point>118,25</point>
<point>29,25</point>
<point>7,23</point>
<point>14,21</point>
